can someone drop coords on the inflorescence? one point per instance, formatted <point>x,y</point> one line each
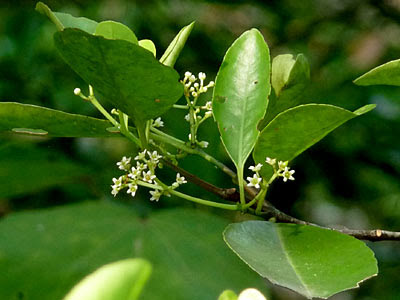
<point>143,174</point>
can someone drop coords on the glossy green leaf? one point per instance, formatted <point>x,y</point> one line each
<point>228,295</point>
<point>240,96</point>
<point>289,79</point>
<point>41,121</point>
<point>148,45</point>
<point>312,261</point>
<point>63,20</point>
<point>175,47</point>
<point>127,75</point>
<point>26,169</point>
<point>297,129</point>
<point>386,74</point>
<point>115,31</point>
<point>122,280</point>
<point>62,245</point>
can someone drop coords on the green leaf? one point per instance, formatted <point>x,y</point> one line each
<point>290,78</point>
<point>41,121</point>
<point>62,245</point>
<point>297,129</point>
<point>116,31</point>
<point>387,74</point>
<point>127,75</point>
<point>228,295</point>
<point>62,20</point>
<point>240,96</point>
<point>148,45</point>
<point>26,169</point>
<point>312,261</point>
<point>175,47</point>
<point>122,280</point>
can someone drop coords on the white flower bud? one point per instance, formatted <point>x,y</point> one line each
<point>77,91</point>
<point>202,76</point>
<point>192,78</point>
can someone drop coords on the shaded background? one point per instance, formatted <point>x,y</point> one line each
<point>351,178</point>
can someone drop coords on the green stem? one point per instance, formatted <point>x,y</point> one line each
<point>105,113</point>
<point>260,198</point>
<point>241,185</point>
<point>180,106</point>
<point>149,185</point>
<point>141,128</point>
<point>205,202</point>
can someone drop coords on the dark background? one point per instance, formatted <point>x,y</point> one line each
<point>351,178</point>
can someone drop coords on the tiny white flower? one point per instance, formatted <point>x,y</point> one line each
<point>132,188</point>
<point>287,174</point>
<point>192,78</point>
<point>187,117</point>
<point>204,89</point>
<point>208,105</point>
<point>251,294</point>
<point>190,136</point>
<point>202,76</point>
<point>155,195</point>
<point>124,164</point>
<point>194,94</point>
<point>77,91</point>
<point>158,122</point>
<point>134,173</point>
<point>180,179</point>
<point>196,85</point>
<point>175,185</point>
<point>115,190</point>
<point>282,165</point>
<point>141,155</point>
<point>256,168</point>
<point>141,166</point>
<point>203,144</point>
<point>208,114</point>
<point>211,84</point>
<point>254,181</point>
<point>148,176</point>
<point>191,89</point>
<point>118,181</point>
<point>154,157</point>
<point>270,161</point>
<point>188,74</point>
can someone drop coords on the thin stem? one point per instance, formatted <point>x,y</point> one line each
<point>241,185</point>
<point>105,113</point>
<point>180,106</point>
<point>261,197</point>
<point>149,185</point>
<point>205,202</point>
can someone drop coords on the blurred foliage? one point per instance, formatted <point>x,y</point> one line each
<point>351,178</point>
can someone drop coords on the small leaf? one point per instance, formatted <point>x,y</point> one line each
<point>386,74</point>
<point>41,121</point>
<point>312,261</point>
<point>127,75</point>
<point>116,31</point>
<point>148,45</point>
<point>240,96</point>
<point>122,280</point>
<point>62,20</point>
<point>175,47</point>
<point>228,295</point>
<point>289,79</point>
<point>297,129</point>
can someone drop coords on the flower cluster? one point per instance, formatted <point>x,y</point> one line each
<point>143,173</point>
<point>281,169</point>
<point>194,88</point>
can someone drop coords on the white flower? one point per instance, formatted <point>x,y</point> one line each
<point>270,161</point>
<point>180,179</point>
<point>254,181</point>
<point>148,176</point>
<point>132,188</point>
<point>187,117</point>
<point>141,155</point>
<point>191,89</point>
<point>155,195</point>
<point>208,105</point>
<point>203,89</point>
<point>203,144</point>
<point>115,190</point>
<point>135,172</point>
<point>194,94</point>
<point>256,168</point>
<point>211,84</point>
<point>158,122</point>
<point>141,166</point>
<point>251,294</point>
<point>77,91</point>
<point>202,76</point>
<point>196,85</point>
<point>282,165</point>
<point>190,136</point>
<point>287,174</point>
<point>188,74</point>
<point>118,181</point>
<point>208,114</point>
<point>154,157</point>
<point>192,78</point>
<point>124,164</point>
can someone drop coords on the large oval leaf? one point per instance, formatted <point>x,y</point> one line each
<point>62,245</point>
<point>127,75</point>
<point>63,20</point>
<point>42,121</point>
<point>241,92</point>
<point>297,129</point>
<point>116,31</point>
<point>387,74</point>
<point>122,280</point>
<point>175,47</point>
<point>312,261</point>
